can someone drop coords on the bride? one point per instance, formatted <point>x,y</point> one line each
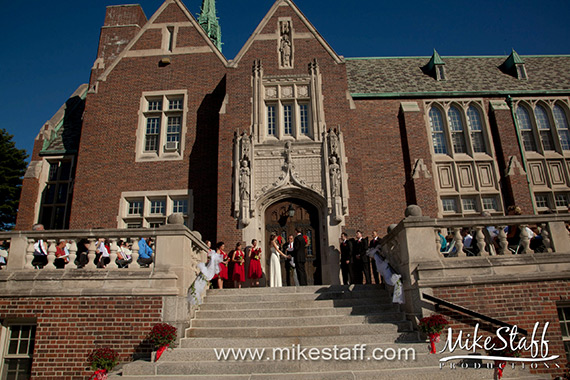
<point>275,264</point>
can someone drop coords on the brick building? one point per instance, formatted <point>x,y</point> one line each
<point>289,133</point>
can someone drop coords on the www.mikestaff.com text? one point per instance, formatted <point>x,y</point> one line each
<point>298,353</point>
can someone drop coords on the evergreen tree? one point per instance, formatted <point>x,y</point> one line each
<point>12,168</point>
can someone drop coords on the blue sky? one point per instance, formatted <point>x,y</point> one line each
<point>48,47</point>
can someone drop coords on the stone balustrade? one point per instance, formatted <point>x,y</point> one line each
<point>21,251</point>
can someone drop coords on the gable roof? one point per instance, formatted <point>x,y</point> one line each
<point>268,17</point>
<point>398,77</point>
<point>154,17</point>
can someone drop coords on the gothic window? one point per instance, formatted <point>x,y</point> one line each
<point>464,128</point>
<point>437,133</point>
<point>162,126</point>
<point>544,128</point>
<point>476,127</point>
<point>561,122</point>
<point>525,126</point>
<point>457,134</point>
<point>287,112</point>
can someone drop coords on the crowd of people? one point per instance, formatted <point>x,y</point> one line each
<point>102,253</point>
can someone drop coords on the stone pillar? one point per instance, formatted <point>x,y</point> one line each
<point>420,186</point>
<point>508,153</point>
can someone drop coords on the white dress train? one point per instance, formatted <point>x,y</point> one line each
<point>202,282</point>
<point>275,280</point>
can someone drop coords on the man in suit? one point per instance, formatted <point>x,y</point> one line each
<point>288,250</point>
<point>361,259</point>
<point>300,256</point>
<point>346,259</point>
<point>374,242</point>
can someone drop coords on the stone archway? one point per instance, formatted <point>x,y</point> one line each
<point>304,216</point>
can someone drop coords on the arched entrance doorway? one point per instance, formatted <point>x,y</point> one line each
<point>282,218</point>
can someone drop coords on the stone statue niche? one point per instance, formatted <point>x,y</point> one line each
<point>285,44</point>
<point>335,176</point>
<point>243,166</point>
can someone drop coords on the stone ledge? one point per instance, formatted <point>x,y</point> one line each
<point>492,261</point>
<point>492,279</point>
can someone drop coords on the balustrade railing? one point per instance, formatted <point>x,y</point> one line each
<point>21,247</point>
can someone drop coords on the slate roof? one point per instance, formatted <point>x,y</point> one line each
<point>394,77</point>
<point>63,130</point>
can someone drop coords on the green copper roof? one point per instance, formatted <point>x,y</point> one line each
<point>513,59</point>
<point>435,60</point>
<point>209,22</point>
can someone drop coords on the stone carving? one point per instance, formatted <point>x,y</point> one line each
<point>242,185</point>
<point>334,170</point>
<point>514,164</point>
<point>419,169</point>
<point>337,188</point>
<point>244,175</point>
<point>285,44</point>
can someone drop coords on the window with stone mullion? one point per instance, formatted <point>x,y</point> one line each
<point>457,131</point>
<point>562,126</point>
<point>525,126</point>
<point>544,129</point>
<point>437,132</point>
<point>476,126</point>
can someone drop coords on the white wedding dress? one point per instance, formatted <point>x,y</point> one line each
<point>275,269</point>
<point>202,281</point>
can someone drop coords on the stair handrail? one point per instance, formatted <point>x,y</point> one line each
<point>461,309</point>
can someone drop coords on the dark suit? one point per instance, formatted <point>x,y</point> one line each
<point>300,256</point>
<point>346,262</point>
<point>287,264</point>
<point>361,261</point>
<point>373,244</point>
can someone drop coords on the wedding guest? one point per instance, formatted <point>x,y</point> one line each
<point>361,259</point>
<point>375,242</point>
<point>223,275</point>
<point>82,249</point>
<point>124,255</point>
<point>239,271</point>
<point>255,272</point>
<point>102,257</point>
<point>61,255</point>
<point>346,259</point>
<point>40,250</point>
<point>3,253</point>
<point>145,252</point>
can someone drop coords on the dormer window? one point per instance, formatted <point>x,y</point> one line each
<point>440,71</point>
<point>435,67</point>
<point>514,66</point>
<point>521,72</point>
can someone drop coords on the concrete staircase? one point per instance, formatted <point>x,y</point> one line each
<point>306,317</point>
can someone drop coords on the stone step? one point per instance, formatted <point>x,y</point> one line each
<point>298,321</point>
<point>284,297</point>
<point>209,353</point>
<point>294,304</point>
<point>297,289</point>
<point>317,330</point>
<point>245,342</point>
<point>215,368</point>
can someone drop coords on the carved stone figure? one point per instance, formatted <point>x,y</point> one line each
<point>333,143</point>
<point>334,171</point>
<point>244,174</point>
<point>245,148</point>
<point>286,45</point>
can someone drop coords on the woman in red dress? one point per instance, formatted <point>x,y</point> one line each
<point>239,270</point>
<point>223,275</point>
<point>255,272</point>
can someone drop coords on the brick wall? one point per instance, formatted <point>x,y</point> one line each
<point>522,304</point>
<point>69,328</point>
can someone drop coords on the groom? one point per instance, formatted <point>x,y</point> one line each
<point>300,257</point>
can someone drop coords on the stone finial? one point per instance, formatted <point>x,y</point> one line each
<point>175,219</point>
<point>391,227</point>
<point>413,210</point>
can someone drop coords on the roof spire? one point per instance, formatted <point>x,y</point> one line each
<point>209,22</point>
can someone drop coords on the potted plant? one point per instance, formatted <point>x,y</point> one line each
<point>504,351</point>
<point>162,335</point>
<point>102,360</point>
<point>432,327</point>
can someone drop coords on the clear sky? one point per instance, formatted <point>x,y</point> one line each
<point>48,47</point>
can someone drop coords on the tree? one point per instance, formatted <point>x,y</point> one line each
<point>12,168</point>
